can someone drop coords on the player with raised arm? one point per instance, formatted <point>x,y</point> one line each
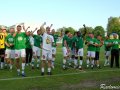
<point>20,41</point>
<point>54,47</point>
<point>36,48</point>
<point>47,42</point>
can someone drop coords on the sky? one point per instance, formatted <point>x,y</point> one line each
<point>68,13</point>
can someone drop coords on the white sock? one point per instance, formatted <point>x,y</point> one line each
<point>23,67</point>
<point>64,62</point>
<point>81,62</point>
<point>42,69</point>
<point>98,65</point>
<point>75,62</point>
<point>32,63</point>
<point>49,69</point>
<point>5,64</point>
<point>88,62</point>
<point>53,61</point>
<point>38,62</point>
<point>2,64</point>
<point>105,62</point>
<point>18,70</point>
<point>92,62</point>
<point>10,65</point>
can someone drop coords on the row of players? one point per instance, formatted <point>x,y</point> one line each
<point>21,45</point>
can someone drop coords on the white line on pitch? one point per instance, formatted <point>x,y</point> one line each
<point>31,77</point>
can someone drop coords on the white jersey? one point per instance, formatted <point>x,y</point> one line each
<point>47,41</point>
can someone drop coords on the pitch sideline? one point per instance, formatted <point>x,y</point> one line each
<point>32,77</point>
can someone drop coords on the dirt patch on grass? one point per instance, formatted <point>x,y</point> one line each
<point>83,85</point>
<point>90,84</point>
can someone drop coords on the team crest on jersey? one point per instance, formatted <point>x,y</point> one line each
<point>48,40</point>
<point>20,38</point>
<point>115,42</point>
<point>10,39</point>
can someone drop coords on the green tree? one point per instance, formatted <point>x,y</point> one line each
<point>113,25</point>
<point>88,30</point>
<point>99,30</point>
<point>63,29</point>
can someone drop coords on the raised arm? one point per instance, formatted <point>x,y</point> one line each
<point>85,30</point>
<point>25,29</point>
<point>51,26</point>
<point>42,29</point>
<point>34,30</point>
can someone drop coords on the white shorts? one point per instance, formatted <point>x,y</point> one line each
<point>20,53</point>
<point>80,52</point>
<point>36,51</point>
<point>91,54</point>
<point>107,53</point>
<point>65,52</point>
<point>54,50</point>
<point>46,55</point>
<point>9,53</point>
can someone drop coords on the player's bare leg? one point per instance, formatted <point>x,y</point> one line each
<point>49,67</point>
<point>18,66</point>
<point>81,62</point>
<point>23,66</point>
<point>53,61</point>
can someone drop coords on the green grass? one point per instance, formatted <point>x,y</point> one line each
<point>81,81</point>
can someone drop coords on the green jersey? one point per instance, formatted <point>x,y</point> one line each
<point>73,42</point>
<point>55,39</point>
<point>79,42</point>
<point>116,43</point>
<point>90,46</point>
<point>65,38</point>
<point>20,41</point>
<point>106,42</point>
<point>37,40</point>
<point>28,44</point>
<point>69,42</point>
<point>10,40</point>
<point>98,47</point>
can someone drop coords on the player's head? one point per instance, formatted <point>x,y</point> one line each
<point>115,36</point>
<point>92,35</point>
<point>70,35</point>
<point>67,33</point>
<point>107,37</point>
<point>78,33</point>
<point>53,31</point>
<point>12,30</point>
<point>48,30</point>
<point>28,33</point>
<point>3,29</point>
<point>99,37</point>
<point>19,28</point>
<point>38,32</point>
<point>89,34</point>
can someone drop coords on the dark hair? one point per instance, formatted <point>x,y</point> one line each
<point>38,30</point>
<point>66,32</point>
<point>18,26</point>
